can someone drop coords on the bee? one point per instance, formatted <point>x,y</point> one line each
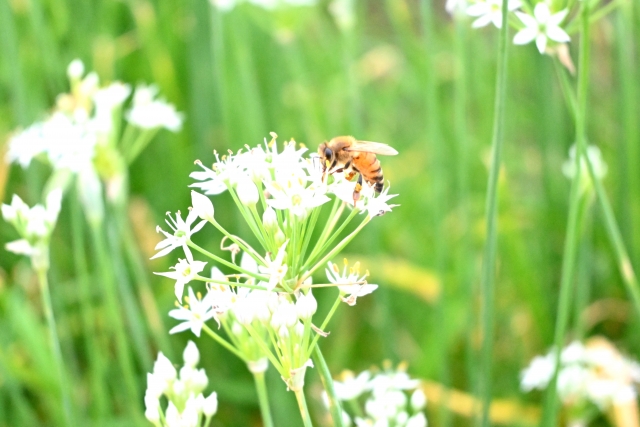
<point>347,154</point>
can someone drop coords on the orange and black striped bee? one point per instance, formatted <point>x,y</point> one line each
<point>347,154</point>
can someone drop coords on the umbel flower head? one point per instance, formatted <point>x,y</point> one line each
<point>266,304</point>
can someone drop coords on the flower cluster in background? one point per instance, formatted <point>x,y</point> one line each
<point>381,398</point>
<point>186,404</point>
<point>590,375</point>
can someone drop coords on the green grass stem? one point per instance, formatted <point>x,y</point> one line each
<point>263,399</point>
<point>327,382</point>
<point>491,242</point>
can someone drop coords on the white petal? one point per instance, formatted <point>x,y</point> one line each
<point>525,36</point>
<point>557,18</point>
<point>477,9</point>
<point>180,328</point>
<point>558,34</point>
<point>481,21</point>
<point>542,12</point>
<point>541,42</point>
<point>496,18</point>
<point>527,20</point>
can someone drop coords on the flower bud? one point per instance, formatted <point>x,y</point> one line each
<point>163,368</point>
<point>75,70</point>
<point>306,306</point>
<point>199,380</point>
<point>210,406</point>
<point>418,400</point>
<point>283,332</point>
<point>191,356</point>
<point>247,192</point>
<point>152,408</point>
<point>280,237</point>
<point>299,329</point>
<point>270,219</point>
<point>202,206</point>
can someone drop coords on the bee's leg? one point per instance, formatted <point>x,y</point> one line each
<point>350,175</point>
<point>356,190</point>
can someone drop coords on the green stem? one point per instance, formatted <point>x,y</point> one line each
<point>304,411</point>
<point>55,343</point>
<point>263,399</point>
<point>490,248</point>
<point>111,297</point>
<point>95,353</point>
<point>327,382</point>
<point>335,306</point>
<point>223,342</point>
<point>572,234</point>
<point>225,262</point>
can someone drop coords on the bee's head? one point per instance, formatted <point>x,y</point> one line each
<point>326,155</point>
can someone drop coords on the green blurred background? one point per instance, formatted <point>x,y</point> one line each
<point>406,74</point>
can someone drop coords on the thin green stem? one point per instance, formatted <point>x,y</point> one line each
<point>263,399</point>
<point>241,243</point>
<point>490,248</point>
<point>223,342</point>
<point>327,382</point>
<point>335,306</point>
<point>572,234</point>
<point>55,344</point>
<point>225,262</point>
<point>304,411</point>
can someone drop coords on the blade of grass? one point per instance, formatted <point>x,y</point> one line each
<point>491,242</point>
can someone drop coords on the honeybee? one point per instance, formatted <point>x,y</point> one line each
<point>347,154</point>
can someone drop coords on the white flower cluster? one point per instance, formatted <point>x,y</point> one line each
<point>186,405</point>
<point>386,399</point>
<point>86,118</point>
<point>265,305</point>
<point>34,225</point>
<point>538,23</point>
<point>593,373</point>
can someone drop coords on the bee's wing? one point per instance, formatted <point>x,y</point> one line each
<point>372,147</point>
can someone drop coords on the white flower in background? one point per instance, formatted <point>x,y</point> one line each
<point>595,156</point>
<point>75,69</point>
<point>34,225</point>
<point>150,113</point>
<point>593,373</point>
<point>541,27</point>
<point>386,400</point>
<point>182,232</point>
<point>184,271</point>
<point>106,100</point>
<point>351,386</point>
<point>182,391</point>
<point>350,283</point>
<point>490,11</point>
<point>194,315</point>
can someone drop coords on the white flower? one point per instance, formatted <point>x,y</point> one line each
<point>164,369</point>
<point>284,316</point>
<point>418,400</point>
<point>150,113</point>
<point>349,282</point>
<point>182,232</point>
<point>417,420</point>
<point>247,191</point>
<point>194,316</point>
<point>34,223</point>
<point>152,408</point>
<point>187,418</point>
<point>289,192</point>
<point>377,206</point>
<point>184,271</point>
<point>541,27</point>
<point>276,269</point>
<point>490,11</point>
<point>538,374</point>
<point>202,206</point>
<point>351,387</point>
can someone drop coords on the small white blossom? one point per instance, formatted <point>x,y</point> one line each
<point>306,305</point>
<point>247,191</point>
<point>75,69</point>
<point>351,387</point>
<point>191,355</point>
<point>350,282</point>
<point>210,405</point>
<point>182,232</point>
<point>541,27</point>
<point>194,316</point>
<point>276,269</point>
<point>184,271</point>
<point>490,11</point>
<point>150,113</point>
